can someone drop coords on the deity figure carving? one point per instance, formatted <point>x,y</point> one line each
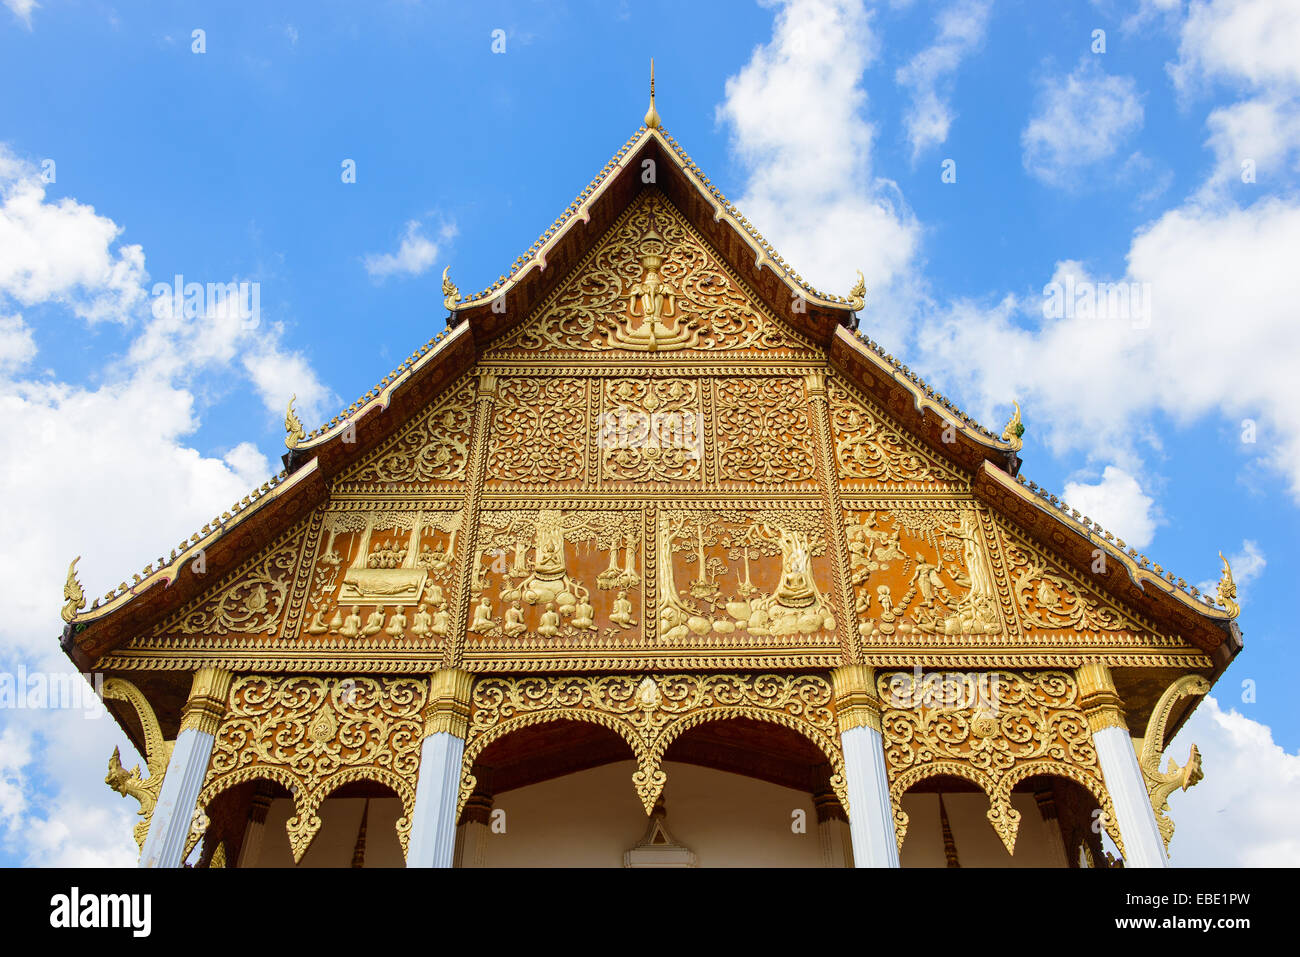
<point>656,303</point>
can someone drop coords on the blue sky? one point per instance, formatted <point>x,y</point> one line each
<point>828,123</point>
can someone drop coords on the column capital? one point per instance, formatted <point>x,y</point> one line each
<point>856,703</point>
<point>207,701</point>
<point>449,701</point>
<point>1101,703</point>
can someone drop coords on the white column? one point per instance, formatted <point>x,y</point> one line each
<point>1143,846</point>
<point>871,815</point>
<point>472,835</point>
<point>169,828</point>
<point>433,826</point>
<point>446,722</point>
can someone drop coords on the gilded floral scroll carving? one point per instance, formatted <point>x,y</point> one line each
<point>867,447</point>
<point>252,601</point>
<point>313,735</point>
<point>651,430</point>
<point>649,712</point>
<point>764,433</point>
<point>992,728</point>
<point>539,433</point>
<point>1049,600</point>
<point>432,447</point>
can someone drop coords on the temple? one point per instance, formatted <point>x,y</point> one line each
<point>652,559</point>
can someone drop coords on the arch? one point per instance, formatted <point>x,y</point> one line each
<point>1062,770</point>
<point>643,778</point>
<point>918,773</point>
<point>675,729</point>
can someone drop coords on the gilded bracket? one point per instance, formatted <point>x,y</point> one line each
<point>158,753</point>
<point>1151,749</point>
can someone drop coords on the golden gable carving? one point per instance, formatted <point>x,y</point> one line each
<point>869,447</point>
<point>432,447</point>
<point>652,287</point>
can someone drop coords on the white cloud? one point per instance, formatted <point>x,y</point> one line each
<point>22,9</point>
<point>1251,41</point>
<point>1243,813</point>
<point>1220,285</point>
<point>961,28</point>
<point>1118,503</point>
<point>62,251</point>
<point>16,344</point>
<point>414,255</point>
<point>797,124</point>
<point>1081,120</point>
<point>88,461</point>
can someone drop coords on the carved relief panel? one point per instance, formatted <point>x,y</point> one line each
<point>384,574</point>
<point>924,568</point>
<point>544,575</point>
<point>751,573</point>
<point>652,288</point>
<point>429,453</point>
<point>871,453</point>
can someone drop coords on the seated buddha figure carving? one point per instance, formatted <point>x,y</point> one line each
<point>654,301</point>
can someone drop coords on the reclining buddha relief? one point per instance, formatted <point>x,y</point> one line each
<point>384,574</point>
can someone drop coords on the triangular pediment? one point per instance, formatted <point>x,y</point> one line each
<point>652,288</point>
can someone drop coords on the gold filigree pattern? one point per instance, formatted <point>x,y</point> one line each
<point>651,430</point>
<point>1049,600</point>
<point>764,435</point>
<point>432,447</point>
<point>868,447</point>
<point>252,600</point>
<point>539,434</point>
<point>992,728</point>
<point>314,735</point>
<point>650,286</point>
<point>649,712</point>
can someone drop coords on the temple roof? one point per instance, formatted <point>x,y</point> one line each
<point>829,320</point>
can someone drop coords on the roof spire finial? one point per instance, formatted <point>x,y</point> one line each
<point>652,115</point>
